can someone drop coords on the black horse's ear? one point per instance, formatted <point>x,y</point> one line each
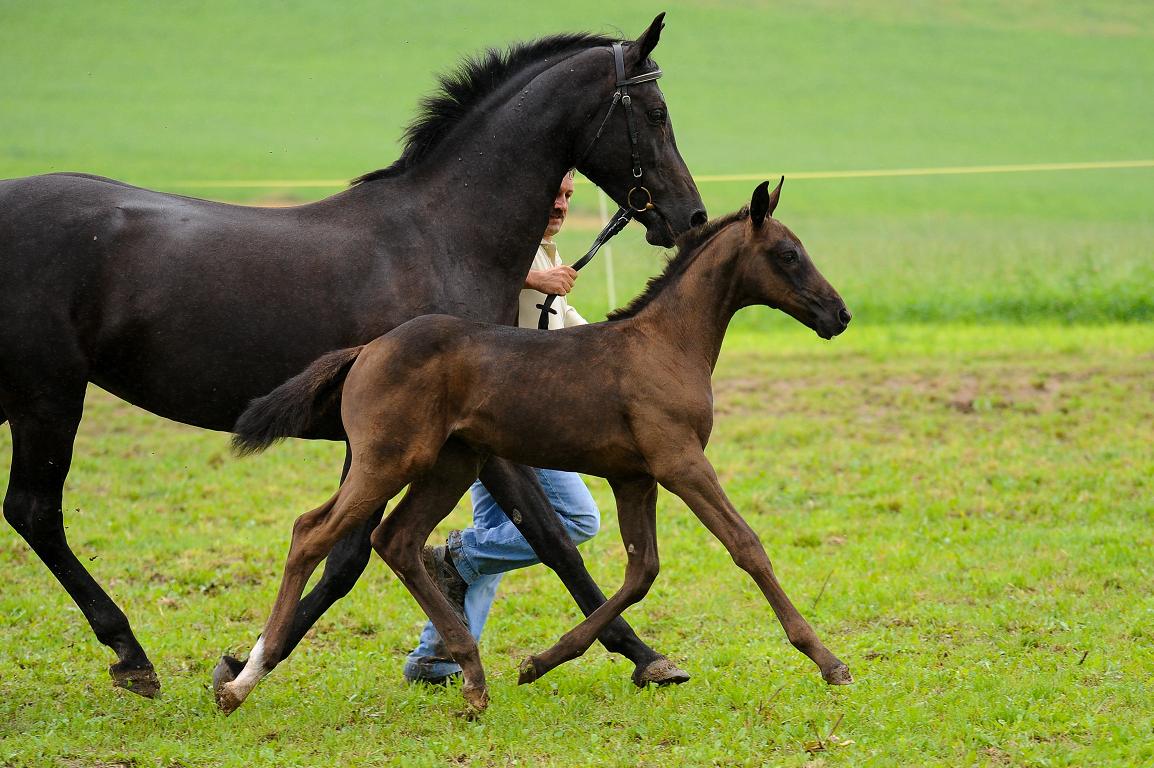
<point>648,40</point>
<point>759,204</point>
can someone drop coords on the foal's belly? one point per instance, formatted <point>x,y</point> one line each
<point>550,435</point>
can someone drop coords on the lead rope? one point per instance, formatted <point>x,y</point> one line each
<point>624,213</point>
<point>616,223</point>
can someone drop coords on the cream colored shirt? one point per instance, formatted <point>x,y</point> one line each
<point>528,313</point>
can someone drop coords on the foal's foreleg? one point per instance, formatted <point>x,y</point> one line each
<point>314,535</point>
<point>636,517</point>
<point>517,491</point>
<point>399,539</point>
<point>699,488</point>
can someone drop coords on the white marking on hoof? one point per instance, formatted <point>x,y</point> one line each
<point>254,670</point>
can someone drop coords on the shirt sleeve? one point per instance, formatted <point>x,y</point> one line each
<point>573,317</point>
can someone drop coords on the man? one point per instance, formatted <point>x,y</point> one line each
<point>469,568</point>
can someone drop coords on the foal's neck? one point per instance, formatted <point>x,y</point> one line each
<point>692,312</point>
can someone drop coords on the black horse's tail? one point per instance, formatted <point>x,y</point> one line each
<point>290,409</point>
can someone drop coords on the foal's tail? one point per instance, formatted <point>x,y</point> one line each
<point>290,409</point>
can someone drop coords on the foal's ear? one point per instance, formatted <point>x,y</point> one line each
<point>764,202</point>
<point>648,40</point>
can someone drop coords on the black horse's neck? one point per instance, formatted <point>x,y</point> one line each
<point>502,164</point>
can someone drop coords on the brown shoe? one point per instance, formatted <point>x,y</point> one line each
<point>447,579</point>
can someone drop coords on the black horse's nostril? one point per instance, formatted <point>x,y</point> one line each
<point>698,218</point>
<point>844,315</point>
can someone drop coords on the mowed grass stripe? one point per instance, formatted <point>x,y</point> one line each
<point>876,173</point>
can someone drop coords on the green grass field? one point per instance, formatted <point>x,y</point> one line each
<point>956,492</point>
<point>181,95</point>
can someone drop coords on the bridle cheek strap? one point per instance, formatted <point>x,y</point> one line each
<point>638,199</point>
<point>621,95</point>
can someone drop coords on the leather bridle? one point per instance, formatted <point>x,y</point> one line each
<point>618,221</point>
<point>621,96</point>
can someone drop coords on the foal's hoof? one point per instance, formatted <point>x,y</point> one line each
<point>226,671</point>
<point>476,698</point>
<point>839,675</point>
<point>528,671</point>
<point>660,671</point>
<point>139,680</point>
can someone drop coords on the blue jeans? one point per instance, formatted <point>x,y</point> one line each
<point>493,546</point>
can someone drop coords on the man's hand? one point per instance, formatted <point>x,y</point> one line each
<point>558,280</point>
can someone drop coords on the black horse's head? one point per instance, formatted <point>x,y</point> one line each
<point>627,146</point>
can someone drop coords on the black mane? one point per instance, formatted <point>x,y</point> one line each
<point>687,247</point>
<point>476,78</point>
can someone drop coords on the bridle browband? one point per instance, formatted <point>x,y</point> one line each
<point>624,213</point>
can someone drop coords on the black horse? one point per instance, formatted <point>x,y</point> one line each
<point>190,308</point>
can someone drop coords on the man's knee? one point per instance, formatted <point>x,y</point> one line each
<point>583,524</point>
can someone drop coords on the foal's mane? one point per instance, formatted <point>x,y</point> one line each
<point>688,246</point>
<point>469,84</point>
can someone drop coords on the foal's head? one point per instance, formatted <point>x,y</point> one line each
<point>776,270</point>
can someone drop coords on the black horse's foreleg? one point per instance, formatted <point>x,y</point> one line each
<point>516,490</point>
<point>42,438</point>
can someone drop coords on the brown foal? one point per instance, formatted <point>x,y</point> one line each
<point>630,401</point>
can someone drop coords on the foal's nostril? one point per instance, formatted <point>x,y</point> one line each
<point>844,315</point>
<point>698,218</point>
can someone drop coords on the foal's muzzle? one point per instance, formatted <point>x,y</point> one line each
<point>833,324</point>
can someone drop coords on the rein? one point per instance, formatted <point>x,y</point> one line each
<point>624,213</point>
<point>615,225</point>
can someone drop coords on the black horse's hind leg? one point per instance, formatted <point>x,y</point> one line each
<point>343,567</point>
<point>516,490</point>
<point>42,438</point>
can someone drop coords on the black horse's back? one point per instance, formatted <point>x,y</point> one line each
<point>188,308</point>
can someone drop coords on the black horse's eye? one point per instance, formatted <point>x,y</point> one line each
<point>656,116</point>
<point>790,257</point>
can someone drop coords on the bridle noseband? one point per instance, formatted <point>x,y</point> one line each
<point>624,213</point>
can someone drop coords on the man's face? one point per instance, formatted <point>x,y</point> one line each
<point>560,207</point>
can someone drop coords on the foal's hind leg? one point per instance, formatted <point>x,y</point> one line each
<point>343,567</point>
<point>698,487</point>
<point>516,489</point>
<point>314,534</point>
<point>42,437</point>
<point>400,537</point>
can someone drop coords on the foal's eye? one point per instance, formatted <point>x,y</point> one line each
<point>656,116</point>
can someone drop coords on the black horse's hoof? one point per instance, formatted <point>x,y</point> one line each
<point>140,680</point>
<point>839,675</point>
<point>226,671</point>
<point>528,671</point>
<point>660,671</point>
